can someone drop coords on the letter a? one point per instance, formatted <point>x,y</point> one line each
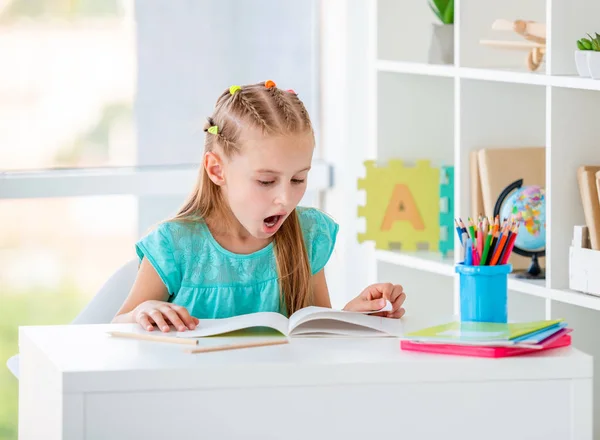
<point>402,207</point>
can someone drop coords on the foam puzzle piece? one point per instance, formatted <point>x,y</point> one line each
<point>402,205</point>
<point>446,210</point>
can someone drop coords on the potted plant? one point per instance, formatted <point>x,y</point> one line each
<point>441,50</point>
<point>581,57</point>
<point>593,57</point>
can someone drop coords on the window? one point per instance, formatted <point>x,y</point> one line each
<point>101,109</point>
<point>54,255</point>
<point>67,84</point>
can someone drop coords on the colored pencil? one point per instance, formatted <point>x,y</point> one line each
<point>458,231</point>
<point>493,244</point>
<point>471,229</point>
<point>237,346</point>
<point>153,337</point>
<point>486,250</point>
<point>480,239</point>
<point>499,247</point>
<point>469,253</point>
<point>486,242</point>
<point>510,245</point>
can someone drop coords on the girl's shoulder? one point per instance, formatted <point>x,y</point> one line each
<point>313,220</point>
<point>172,236</point>
<point>320,233</point>
<point>175,229</point>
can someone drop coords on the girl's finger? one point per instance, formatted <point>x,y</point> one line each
<point>172,316</point>
<point>399,301</point>
<point>159,320</point>
<point>375,304</point>
<point>396,292</point>
<point>145,322</point>
<point>397,314</point>
<point>185,316</point>
<point>387,289</point>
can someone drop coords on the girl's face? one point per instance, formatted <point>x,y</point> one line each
<point>266,180</point>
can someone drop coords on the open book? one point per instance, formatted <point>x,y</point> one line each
<point>309,321</point>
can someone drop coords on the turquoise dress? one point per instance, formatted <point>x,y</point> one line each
<point>212,282</point>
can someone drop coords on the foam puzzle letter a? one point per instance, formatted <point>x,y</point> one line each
<point>402,208</point>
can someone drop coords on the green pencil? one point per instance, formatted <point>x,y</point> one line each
<point>471,228</point>
<point>486,249</point>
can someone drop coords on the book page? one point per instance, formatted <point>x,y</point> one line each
<point>308,317</point>
<point>211,327</point>
<point>330,327</point>
<point>304,313</point>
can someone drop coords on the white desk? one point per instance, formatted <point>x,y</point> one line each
<point>79,383</point>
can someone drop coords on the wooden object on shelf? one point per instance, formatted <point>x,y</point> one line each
<point>477,207</point>
<point>534,33</point>
<point>586,179</point>
<point>581,237</point>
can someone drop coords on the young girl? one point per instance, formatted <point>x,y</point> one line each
<point>240,244</point>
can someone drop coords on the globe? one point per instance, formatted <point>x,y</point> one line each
<point>528,205</point>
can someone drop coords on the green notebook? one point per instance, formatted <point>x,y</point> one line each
<point>478,332</point>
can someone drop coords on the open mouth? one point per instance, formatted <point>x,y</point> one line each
<point>271,221</point>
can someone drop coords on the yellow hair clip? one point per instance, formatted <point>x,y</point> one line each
<point>269,84</point>
<point>234,89</point>
<point>213,129</point>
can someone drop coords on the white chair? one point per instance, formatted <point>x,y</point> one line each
<point>103,306</point>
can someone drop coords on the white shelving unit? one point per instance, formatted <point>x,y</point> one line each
<point>498,105</point>
<point>487,98</point>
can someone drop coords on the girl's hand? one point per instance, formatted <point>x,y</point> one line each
<point>162,314</point>
<point>374,296</point>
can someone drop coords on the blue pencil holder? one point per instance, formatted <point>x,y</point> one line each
<point>484,293</point>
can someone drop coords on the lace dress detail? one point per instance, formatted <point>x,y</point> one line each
<point>212,282</point>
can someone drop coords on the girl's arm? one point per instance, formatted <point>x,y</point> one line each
<point>147,303</point>
<point>372,298</point>
<point>320,290</point>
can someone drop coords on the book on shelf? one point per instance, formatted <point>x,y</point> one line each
<point>588,191</point>
<point>309,321</point>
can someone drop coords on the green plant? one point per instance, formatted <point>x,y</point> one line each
<point>443,9</point>
<point>592,43</point>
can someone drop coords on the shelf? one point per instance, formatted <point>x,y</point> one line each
<point>574,82</point>
<point>416,68</point>
<point>486,74</point>
<point>434,263</point>
<point>500,75</point>
<point>425,261</point>
<point>538,288</point>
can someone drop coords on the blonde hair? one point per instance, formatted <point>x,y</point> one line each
<point>275,112</point>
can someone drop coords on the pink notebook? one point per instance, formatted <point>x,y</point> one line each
<point>483,351</point>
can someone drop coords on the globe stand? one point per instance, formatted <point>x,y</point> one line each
<point>534,272</point>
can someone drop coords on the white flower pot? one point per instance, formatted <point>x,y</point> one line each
<point>581,62</point>
<point>593,60</point>
<point>441,49</point>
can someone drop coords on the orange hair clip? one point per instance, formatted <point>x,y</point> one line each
<point>269,84</point>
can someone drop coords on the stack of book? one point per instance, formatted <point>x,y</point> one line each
<point>488,339</point>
